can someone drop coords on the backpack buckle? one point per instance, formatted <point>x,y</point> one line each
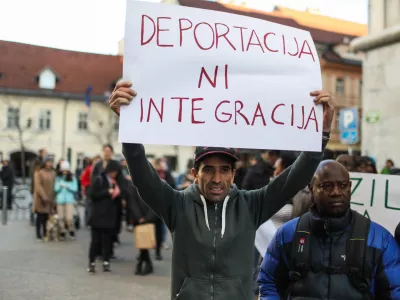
<point>294,276</point>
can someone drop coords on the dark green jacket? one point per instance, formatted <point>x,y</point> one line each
<point>213,244</point>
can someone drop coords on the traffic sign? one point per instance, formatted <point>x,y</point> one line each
<point>349,125</point>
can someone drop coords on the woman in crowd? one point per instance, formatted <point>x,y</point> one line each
<point>66,188</point>
<point>142,214</point>
<point>103,214</point>
<point>43,196</point>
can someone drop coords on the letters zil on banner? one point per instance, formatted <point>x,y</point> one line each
<point>207,78</point>
<point>377,197</point>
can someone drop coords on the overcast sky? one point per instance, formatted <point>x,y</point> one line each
<point>97,25</point>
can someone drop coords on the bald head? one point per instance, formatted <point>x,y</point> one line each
<point>331,188</point>
<point>329,166</point>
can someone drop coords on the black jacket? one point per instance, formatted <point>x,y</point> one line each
<point>103,209</point>
<point>214,243</point>
<point>397,233</point>
<point>257,176</point>
<point>7,176</point>
<point>138,208</point>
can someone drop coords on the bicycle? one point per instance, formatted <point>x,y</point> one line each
<point>21,196</point>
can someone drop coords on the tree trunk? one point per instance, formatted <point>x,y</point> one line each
<point>23,165</point>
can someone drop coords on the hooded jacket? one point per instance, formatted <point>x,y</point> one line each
<point>214,243</point>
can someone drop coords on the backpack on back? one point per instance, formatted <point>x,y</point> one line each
<point>354,266</point>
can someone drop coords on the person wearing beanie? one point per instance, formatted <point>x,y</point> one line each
<point>66,187</point>
<point>103,214</point>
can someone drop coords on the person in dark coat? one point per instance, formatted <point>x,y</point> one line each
<point>7,177</point>
<point>141,214</point>
<point>98,168</point>
<point>103,214</point>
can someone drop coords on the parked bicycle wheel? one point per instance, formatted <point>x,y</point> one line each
<point>22,197</point>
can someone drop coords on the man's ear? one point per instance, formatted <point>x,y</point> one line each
<point>195,175</point>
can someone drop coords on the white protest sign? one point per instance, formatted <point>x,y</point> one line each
<point>377,197</point>
<point>206,78</point>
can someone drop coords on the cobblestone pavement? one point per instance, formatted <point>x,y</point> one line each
<point>40,271</point>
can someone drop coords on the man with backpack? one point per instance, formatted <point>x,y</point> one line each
<point>331,252</point>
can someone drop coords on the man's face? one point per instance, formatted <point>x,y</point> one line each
<point>331,189</point>
<point>214,177</point>
<point>107,153</point>
<point>389,164</point>
<point>346,161</point>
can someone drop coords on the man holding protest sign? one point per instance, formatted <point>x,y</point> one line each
<point>212,222</point>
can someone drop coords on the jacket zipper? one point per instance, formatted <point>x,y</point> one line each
<point>214,250</point>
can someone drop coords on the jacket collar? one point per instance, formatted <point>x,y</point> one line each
<point>326,225</point>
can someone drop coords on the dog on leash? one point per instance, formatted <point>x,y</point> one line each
<point>53,228</point>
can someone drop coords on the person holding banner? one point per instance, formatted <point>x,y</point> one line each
<point>212,222</point>
<point>331,252</point>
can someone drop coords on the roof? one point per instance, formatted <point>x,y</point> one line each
<point>322,22</point>
<point>319,34</point>
<point>331,56</point>
<point>20,65</point>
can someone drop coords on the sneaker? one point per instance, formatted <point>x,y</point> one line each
<point>92,268</point>
<point>106,266</point>
<point>165,246</point>
<point>72,235</point>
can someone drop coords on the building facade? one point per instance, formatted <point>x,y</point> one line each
<point>57,100</point>
<point>381,87</point>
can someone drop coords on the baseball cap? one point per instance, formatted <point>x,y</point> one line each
<point>202,152</point>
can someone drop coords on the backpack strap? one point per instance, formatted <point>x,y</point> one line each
<point>357,239</point>
<point>301,252</point>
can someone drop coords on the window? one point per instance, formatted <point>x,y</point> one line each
<point>47,79</point>
<point>339,86</point>
<point>83,121</point>
<point>13,117</point>
<point>338,120</point>
<point>45,120</point>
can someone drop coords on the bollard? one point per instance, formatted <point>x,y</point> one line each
<point>4,212</point>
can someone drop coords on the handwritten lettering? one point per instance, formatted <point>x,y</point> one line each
<point>235,112</point>
<point>210,36</point>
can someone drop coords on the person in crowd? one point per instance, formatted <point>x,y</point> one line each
<point>348,161</point>
<point>214,223</point>
<point>161,232</point>
<point>261,173</point>
<point>43,196</point>
<point>126,204</point>
<point>85,179</point>
<point>108,153</point>
<point>241,170</point>
<point>142,214</point>
<point>7,176</point>
<point>37,165</point>
<point>331,252</point>
<point>103,214</point>
<point>186,181</point>
<point>58,167</point>
<point>66,188</point>
<point>366,164</point>
<point>388,166</point>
